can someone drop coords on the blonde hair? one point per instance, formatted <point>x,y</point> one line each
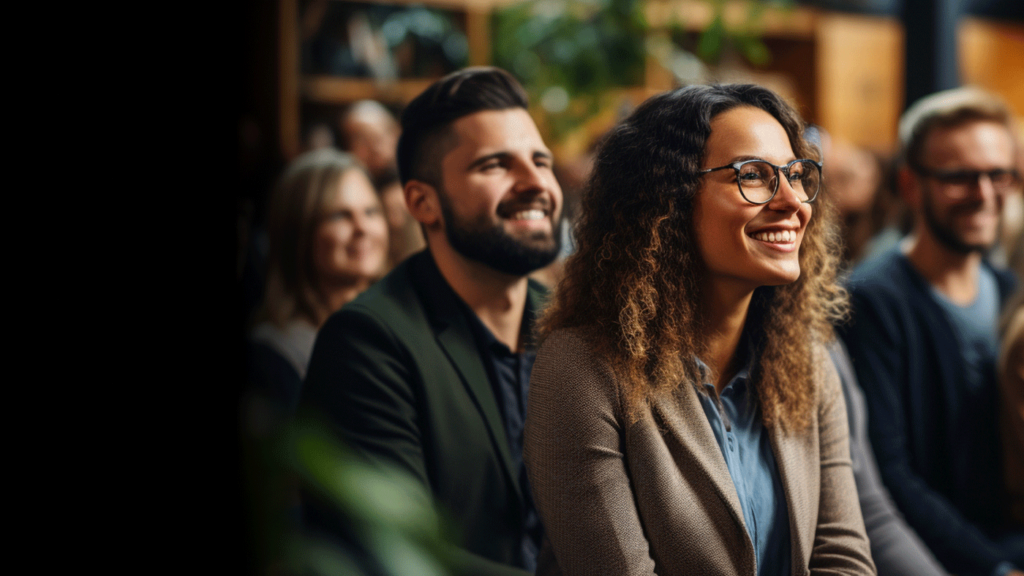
<point>293,214</point>
<point>944,110</point>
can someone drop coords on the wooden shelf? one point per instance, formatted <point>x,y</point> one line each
<point>696,16</point>
<point>340,90</point>
<point>295,88</point>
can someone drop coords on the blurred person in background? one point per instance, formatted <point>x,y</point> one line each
<point>328,242</point>
<point>684,416</point>
<point>895,548</point>
<point>405,237</point>
<point>854,178</point>
<point>368,130</point>
<point>1011,384</point>
<point>317,136</point>
<point>889,218</point>
<point>923,338</point>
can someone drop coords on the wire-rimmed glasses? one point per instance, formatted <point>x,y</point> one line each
<point>758,180</point>
<point>958,184</point>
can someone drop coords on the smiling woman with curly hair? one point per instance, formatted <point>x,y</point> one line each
<point>684,417</point>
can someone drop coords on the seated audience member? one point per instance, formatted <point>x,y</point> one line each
<point>318,136</point>
<point>923,334</point>
<point>1011,381</point>
<point>854,178</point>
<point>404,235</point>
<point>370,133</point>
<point>684,416</point>
<point>895,548</point>
<point>327,243</point>
<point>428,370</point>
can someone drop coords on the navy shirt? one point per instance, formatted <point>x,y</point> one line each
<point>735,418</point>
<point>509,373</point>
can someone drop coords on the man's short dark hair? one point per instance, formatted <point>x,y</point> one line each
<point>425,122</point>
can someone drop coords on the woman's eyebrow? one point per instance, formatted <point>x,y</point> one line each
<point>745,158</point>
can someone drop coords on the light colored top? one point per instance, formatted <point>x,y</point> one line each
<point>294,343</point>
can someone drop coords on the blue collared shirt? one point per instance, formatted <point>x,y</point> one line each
<point>735,418</point>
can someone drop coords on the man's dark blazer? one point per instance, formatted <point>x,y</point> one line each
<point>398,374</point>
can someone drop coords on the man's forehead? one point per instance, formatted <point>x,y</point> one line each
<point>497,129</point>
<point>979,140</point>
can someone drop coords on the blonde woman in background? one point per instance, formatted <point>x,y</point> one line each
<point>328,242</point>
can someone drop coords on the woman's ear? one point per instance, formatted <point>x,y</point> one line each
<point>422,201</point>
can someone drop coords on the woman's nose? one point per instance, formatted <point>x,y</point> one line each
<point>786,196</point>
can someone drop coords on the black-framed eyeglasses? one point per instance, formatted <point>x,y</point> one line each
<point>758,180</point>
<point>957,184</point>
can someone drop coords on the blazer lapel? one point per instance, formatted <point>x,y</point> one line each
<point>456,339</point>
<point>792,463</point>
<point>688,431</point>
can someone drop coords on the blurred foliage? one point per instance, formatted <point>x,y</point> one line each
<point>394,526</point>
<point>717,37</point>
<point>388,525</point>
<point>568,53</point>
<point>571,54</point>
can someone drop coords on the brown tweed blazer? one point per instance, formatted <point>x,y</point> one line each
<point>656,497</point>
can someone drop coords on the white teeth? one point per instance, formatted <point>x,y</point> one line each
<point>782,236</point>
<point>528,215</point>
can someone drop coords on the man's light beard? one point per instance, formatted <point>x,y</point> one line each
<point>491,245</point>
<point>943,232</point>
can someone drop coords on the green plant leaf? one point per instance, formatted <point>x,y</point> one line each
<point>709,49</point>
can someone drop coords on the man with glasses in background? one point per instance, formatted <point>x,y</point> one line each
<point>923,334</point>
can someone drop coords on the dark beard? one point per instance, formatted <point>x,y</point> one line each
<point>491,246</point>
<point>943,233</point>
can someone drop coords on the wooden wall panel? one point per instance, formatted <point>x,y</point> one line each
<point>992,57</point>
<point>860,78</point>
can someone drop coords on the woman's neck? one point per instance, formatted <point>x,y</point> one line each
<point>725,316</point>
<point>337,295</point>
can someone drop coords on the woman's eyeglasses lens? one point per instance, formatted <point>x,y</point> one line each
<point>758,181</point>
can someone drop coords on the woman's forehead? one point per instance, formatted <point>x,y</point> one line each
<point>747,132</point>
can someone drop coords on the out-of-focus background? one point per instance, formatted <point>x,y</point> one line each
<point>850,67</point>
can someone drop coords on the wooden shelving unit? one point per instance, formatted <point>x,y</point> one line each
<point>842,71</point>
<point>295,87</point>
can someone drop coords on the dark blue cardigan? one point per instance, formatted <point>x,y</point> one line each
<point>908,361</point>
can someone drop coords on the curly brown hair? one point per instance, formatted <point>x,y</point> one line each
<point>634,283</point>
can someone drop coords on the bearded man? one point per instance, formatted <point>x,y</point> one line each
<point>923,334</point>
<point>428,370</point>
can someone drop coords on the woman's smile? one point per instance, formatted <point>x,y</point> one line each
<point>749,245</point>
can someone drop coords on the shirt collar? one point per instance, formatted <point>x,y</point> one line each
<point>486,339</point>
<point>747,362</point>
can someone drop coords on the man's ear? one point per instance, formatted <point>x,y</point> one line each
<point>910,187</point>
<point>421,199</point>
